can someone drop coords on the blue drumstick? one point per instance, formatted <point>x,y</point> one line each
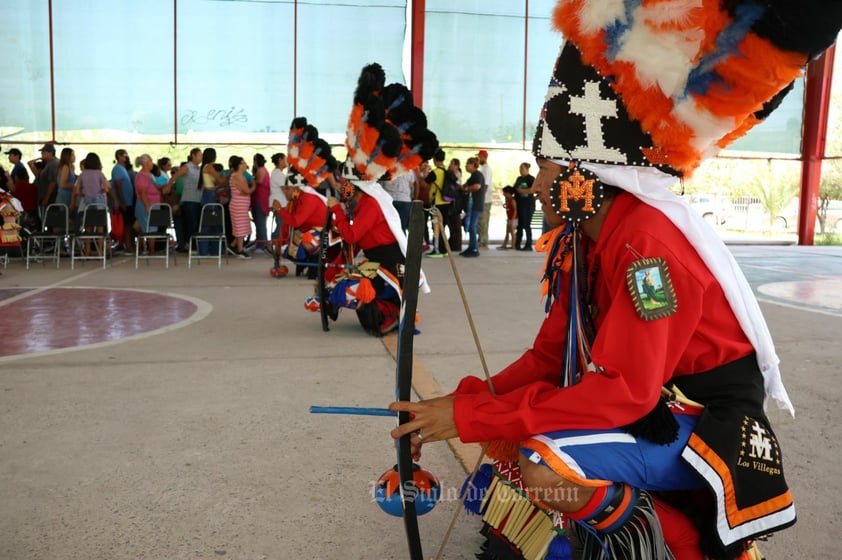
<point>358,410</point>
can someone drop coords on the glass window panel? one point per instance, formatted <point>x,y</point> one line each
<point>25,80</point>
<point>235,71</point>
<point>834,124</point>
<point>473,70</point>
<point>236,83</point>
<point>781,131</point>
<point>113,69</point>
<point>335,40</point>
<point>543,44</point>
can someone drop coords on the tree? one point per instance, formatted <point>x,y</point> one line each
<point>774,184</point>
<point>830,188</point>
<point>717,176</point>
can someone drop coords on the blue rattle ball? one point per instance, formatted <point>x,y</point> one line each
<point>424,490</point>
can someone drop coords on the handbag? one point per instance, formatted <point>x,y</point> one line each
<point>223,194</point>
<point>173,200</point>
<point>118,226</point>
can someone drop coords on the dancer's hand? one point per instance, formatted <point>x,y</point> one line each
<point>432,420</point>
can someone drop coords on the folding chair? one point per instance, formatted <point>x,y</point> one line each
<point>55,228</point>
<point>94,217</point>
<point>211,218</point>
<point>159,217</point>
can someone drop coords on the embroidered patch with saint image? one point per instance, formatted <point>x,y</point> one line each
<point>651,289</point>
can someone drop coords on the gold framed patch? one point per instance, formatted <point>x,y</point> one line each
<point>651,289</point>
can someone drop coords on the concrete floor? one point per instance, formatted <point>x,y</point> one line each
<point>163,414</point>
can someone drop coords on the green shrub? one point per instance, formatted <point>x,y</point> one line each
<point>831,238</point>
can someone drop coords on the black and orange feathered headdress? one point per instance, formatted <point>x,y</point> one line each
<point>387,134</point>
<point>308,155</point>
<point>668,84</point>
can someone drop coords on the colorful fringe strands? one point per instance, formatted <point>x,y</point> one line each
<point>514,520</point>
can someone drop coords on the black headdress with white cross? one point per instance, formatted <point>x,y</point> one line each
<point>583,119</point>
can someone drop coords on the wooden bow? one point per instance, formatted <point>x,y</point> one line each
<point>403,373</point>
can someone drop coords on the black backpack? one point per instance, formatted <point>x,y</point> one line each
<point>450,189</point>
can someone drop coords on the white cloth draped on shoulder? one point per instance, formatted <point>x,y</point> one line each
<point>375,191</point>
<point>652,187</point>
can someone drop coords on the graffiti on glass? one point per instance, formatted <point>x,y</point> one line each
<point>222,118</point>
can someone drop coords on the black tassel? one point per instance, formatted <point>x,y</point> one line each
<point>496,546</point>
<point>699,507</point>
<point>711,546</point>
<point>640,537</point>
<point>659,426</point>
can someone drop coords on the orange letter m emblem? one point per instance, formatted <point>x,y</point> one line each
<point>576,187</point>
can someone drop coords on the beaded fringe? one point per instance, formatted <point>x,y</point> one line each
<point>511,514</point>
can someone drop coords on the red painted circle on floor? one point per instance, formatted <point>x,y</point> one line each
<point>59,318</point>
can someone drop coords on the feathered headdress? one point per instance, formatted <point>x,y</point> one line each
<point>668,84</point>
<point>387,135</point>
<point>308,155</point>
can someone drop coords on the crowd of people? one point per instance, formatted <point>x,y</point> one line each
<point>464,202</point>
<point>135,187</point>
<point>252,196</point>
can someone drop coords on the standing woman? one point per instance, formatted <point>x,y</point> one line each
<point>241,192</point>
<point>277,198</point>
<point>147,195</point>
<point>172,196</point>
<point>189,175</point>
<point>210,180</point>
<point>66,176</point>
<point>92,188</point>
<point>164,166</point>
<point>260,200</point>
<point>525,207</point>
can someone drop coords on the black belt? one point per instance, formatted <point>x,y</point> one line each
<point>737,384</point>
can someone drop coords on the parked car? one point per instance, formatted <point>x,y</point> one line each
<point>788,218</point>
<point>715,209</point>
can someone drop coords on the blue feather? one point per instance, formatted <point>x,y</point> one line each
<point>397,102</point>
<point>614,31</point>
<point>703,76</point>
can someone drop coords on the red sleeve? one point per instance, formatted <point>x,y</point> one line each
<point>633,354</point>
<point>351,233</point>
<point>636,356</point>
<point>542,362</point>
<point>309,212</point>
<point>289,218</point>
<point>369,229</point>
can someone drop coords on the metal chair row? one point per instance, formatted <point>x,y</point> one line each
<point>92,240</point>
<point>159,218</point>
<point>56,235</point>
<point>211,232</point>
